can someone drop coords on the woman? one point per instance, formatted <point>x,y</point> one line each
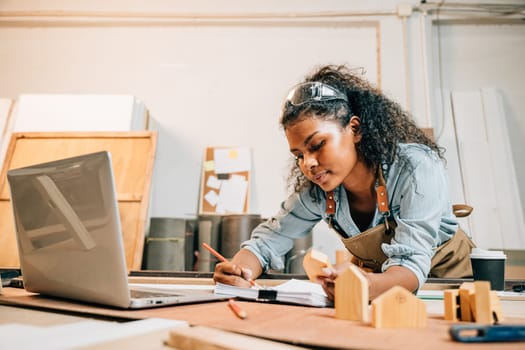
<point>348,140</point>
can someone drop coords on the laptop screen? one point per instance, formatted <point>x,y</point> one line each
<point>68,229</point>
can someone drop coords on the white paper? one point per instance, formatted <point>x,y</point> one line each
<point>219,209</point>
<point>231,160</point>
<point>213,182</point>
<point>237,177</point>
<point>212,198</point>
<point>295,285</point>
<point>233,195</point>
<point>302,292</point>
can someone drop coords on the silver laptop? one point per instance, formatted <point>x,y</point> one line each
<point>69,235</point>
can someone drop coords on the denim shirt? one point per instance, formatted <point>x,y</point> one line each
<point>418,193</point>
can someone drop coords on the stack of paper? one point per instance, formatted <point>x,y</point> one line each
<point>294,291</point>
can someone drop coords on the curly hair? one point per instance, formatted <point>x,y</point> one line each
<point>384,124</point>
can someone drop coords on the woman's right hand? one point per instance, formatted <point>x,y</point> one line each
<point>229,273</point>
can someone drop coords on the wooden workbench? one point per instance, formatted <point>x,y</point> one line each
<point>304,326</point>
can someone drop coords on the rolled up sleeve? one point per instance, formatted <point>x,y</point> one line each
<point>271,240</point>
<point>421,198</point>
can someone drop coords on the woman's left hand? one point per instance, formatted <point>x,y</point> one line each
<point>328,276</point>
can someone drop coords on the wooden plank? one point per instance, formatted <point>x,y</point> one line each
<point>132,154</point>
<point>6,120</point>
<point>188,338</point>
<point>451,304</point>
<point>490,182</point>
<point>481,305</point>
<point>479,183</point>
<point>510,208</point>
<point>5,111</point>
<point>446,137</point>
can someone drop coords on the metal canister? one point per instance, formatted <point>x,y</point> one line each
<point>170,244</point>
<point>236,229</point>
<point>209,227</point>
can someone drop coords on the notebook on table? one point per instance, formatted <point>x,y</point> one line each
<point>69,235</point>
<point>293,291</point>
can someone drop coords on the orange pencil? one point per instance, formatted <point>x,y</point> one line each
<point>237,309</point>
<point>223,259</point>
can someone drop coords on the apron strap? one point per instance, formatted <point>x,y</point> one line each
<point>382,196</point>
<point>382,204</point>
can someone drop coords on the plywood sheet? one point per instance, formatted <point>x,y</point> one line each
<point>132,158</point>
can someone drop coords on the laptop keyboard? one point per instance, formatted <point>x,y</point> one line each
<point>141,294</point>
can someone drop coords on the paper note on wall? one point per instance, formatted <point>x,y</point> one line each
<point>213,182</point>
<point>231,160</point>
<point>212,198</point>
<point>233,194</point>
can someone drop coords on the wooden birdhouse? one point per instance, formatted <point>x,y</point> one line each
<point>398,308</point>
<point>351,295</point>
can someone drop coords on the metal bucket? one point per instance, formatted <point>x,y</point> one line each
<point>236,229</point>
<point>170,244</point>
<point>209,227</point>
<point>294,258</point>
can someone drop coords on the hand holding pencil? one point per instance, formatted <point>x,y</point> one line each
<point>223,259</point>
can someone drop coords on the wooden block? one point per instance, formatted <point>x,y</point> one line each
<point>451,304</point>
<point>342,256</point>
<point>199,337</point>
<point>313,262</point>
<point>398,308</point>
<point>351,295</point>
<point>481,303</point>
<point>473,302</point>
<point>465,291</point>
<point>487,308</point>
<point>495,306</point>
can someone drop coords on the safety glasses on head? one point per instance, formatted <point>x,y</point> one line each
<point>314,91</point>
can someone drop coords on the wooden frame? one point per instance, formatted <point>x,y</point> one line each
<point>133,156</point>
<point>211,171</point>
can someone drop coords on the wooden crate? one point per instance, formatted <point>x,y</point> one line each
<point>132,155</point>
